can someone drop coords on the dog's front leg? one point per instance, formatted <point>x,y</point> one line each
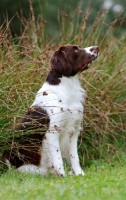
<point>73,154</point>
<point>51,149</point>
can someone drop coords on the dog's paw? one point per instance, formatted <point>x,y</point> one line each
<point>78,171</point>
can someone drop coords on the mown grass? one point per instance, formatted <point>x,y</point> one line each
<point>103,181</point>
<point>24,64</point>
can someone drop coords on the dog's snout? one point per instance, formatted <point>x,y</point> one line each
<point>95,49</point>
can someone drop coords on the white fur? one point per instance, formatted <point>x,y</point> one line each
<point>63,103</point>
<point>88,50</point>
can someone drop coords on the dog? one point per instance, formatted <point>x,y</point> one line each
<point>49,130</point>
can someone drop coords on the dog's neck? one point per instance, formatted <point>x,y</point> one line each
<point>53,78</point>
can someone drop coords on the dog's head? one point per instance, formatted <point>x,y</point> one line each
<point>69,60</point>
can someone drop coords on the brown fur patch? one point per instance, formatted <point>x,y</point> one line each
<point>26,145</point>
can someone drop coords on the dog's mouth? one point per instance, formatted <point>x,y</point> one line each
<point>86,65</point>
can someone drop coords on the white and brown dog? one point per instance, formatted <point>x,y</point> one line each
<point>51,126</point>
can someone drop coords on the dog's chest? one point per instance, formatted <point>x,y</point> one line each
<point>62,102</point>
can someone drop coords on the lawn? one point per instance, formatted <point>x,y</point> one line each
<point>104,182</point>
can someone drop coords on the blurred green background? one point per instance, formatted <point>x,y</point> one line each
<point>13,11</point>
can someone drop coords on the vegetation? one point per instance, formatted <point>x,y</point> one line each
<point>24,66</point>
<point>102,182</point>
<point>52,10</point>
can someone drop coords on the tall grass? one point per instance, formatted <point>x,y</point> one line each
<point>24,66</point>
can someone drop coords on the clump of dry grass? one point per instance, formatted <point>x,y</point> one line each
<point>24,66</point>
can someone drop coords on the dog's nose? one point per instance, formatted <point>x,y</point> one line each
<point>94,49</point>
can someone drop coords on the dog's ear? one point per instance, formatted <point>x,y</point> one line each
<point>59,62</point>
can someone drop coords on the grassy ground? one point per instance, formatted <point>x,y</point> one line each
<point>104,182</point>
